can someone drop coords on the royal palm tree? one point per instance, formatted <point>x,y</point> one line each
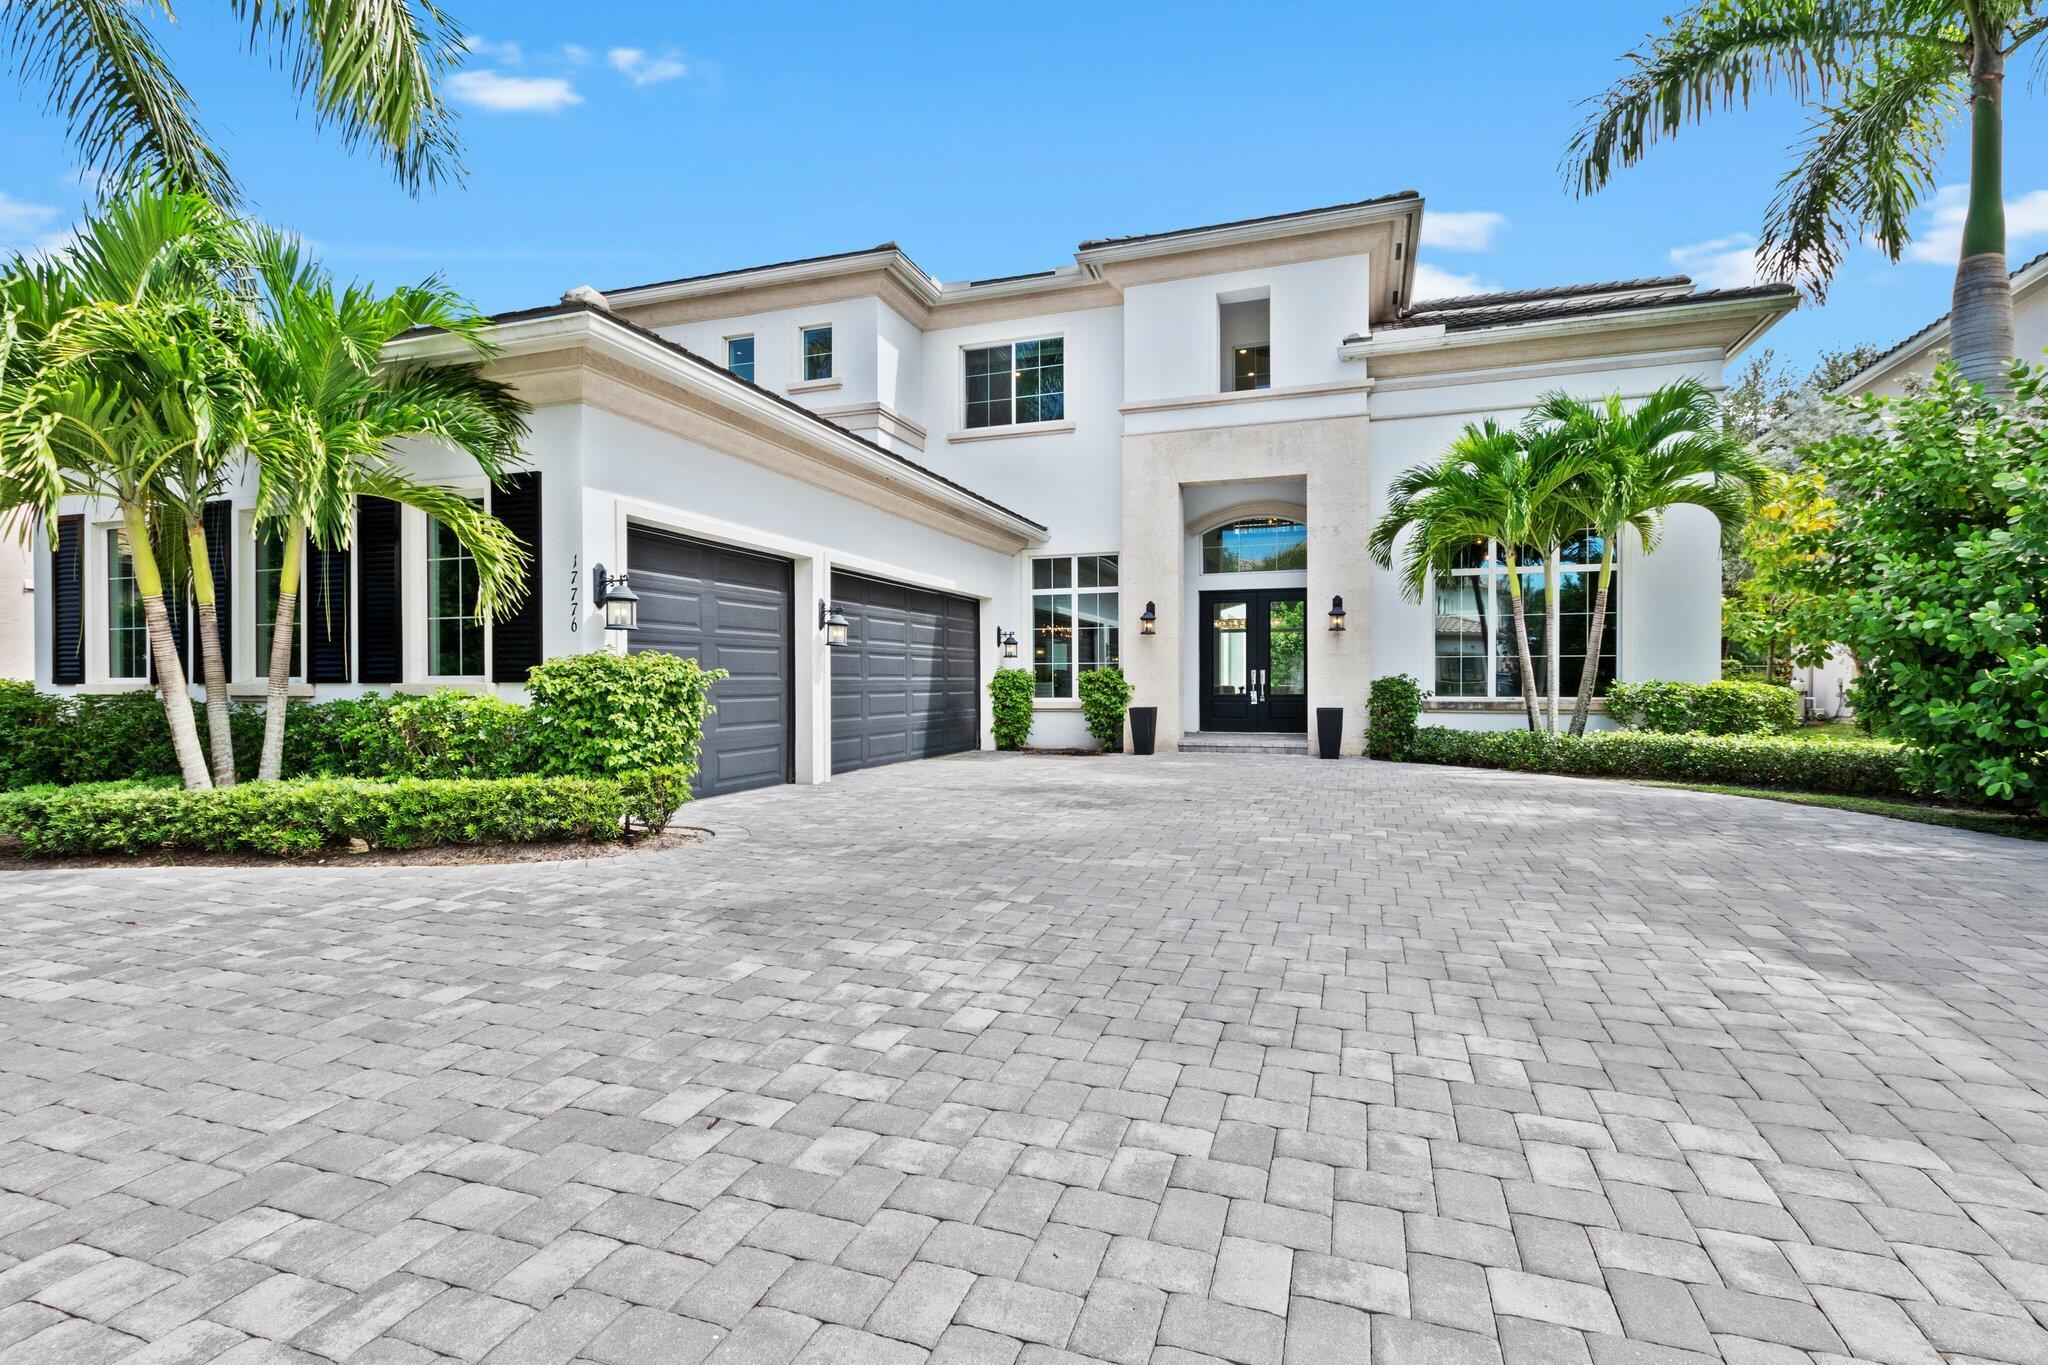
<point>1672,450</point>
<point>327,411</point>
<point>1494,483</point>
<point>1890,78</point>
<point>118,374</point>
<point>369,68</point>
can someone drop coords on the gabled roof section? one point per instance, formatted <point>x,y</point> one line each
<point>2025,279</point>
<point>1267,220</point>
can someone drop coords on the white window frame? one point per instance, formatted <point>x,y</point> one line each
<point>1071,593</point>
<point>418,570</point>
<point>755,377</point>
<point>246,653</point>
<point>802,379</point>
<point>105,532</point>
<point>1061,422</point>
<point>1495,571</point>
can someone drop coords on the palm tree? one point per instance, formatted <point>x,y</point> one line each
<point>1494,483</point>
<point>327,410</point>
<point>1890,78</point>
<point>1671,451</point>
<point>368,67</point>
<point>118,372</point>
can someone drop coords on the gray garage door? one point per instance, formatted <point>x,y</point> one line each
<point>907,684</point>
<point>731,610</point>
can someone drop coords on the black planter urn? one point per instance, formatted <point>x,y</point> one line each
<point>1329,730</point>
<point>1144,728</point>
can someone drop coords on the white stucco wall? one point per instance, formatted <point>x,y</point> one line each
<point>857,336</point>
<point>1173,339</point>
<point>17,606</point>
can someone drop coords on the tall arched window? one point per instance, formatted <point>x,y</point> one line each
<point>1255,545</point>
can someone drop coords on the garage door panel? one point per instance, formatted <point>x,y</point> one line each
<point>726,609</point>
<point>908,684</point>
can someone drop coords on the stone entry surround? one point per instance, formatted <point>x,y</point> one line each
<point>1050,1060</point>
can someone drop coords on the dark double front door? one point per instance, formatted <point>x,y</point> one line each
<point>1255,660</point>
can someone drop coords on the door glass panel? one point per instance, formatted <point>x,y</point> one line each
<point>1287,648</point>
<point>1227,636</point>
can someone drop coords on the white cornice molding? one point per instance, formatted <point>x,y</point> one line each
<point>1409,340</point>
<point>1203,239</point>
<point>1212,400</point>
<point>897,265</point>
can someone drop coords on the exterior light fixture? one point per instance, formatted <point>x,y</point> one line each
<point>1148,624</point>
<point>621,604</point>
<point>1336,613</point>
<point>832,623</point>
<point>1007,639</point>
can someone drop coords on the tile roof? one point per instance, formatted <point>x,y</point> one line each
<point>772,265</point>
<point>1555,291</point>
<point>1570,305</point>
<point>1250,222</point>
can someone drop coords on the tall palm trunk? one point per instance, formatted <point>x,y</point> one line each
<point>281,638</point>
<point>1980,311</point>
<point>1553,612</point>
<point>163,649</point>
<point>220,736</point>
<point>1522,641</point>
<point>1589,668</point>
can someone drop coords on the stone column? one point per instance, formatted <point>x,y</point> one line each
<point>1149,569</point>
<point>1339,523</point>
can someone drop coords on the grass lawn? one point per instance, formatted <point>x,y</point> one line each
<point>1982,821</point>
<point>1835,732</point>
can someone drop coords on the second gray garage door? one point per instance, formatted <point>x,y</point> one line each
<point>726,609</point>
<point>907,683</point>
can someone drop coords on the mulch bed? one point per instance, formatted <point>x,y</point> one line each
<point>446,855</point>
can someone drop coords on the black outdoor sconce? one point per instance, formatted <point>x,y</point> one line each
<point>621,604</point>
<point>1148,624</point>
<point>1336,613</point>
<point>1007,639</point>
<point>832,623</point>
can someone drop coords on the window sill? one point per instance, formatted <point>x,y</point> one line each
<point>1018,429</point>
<point>298,690</point>
<point>1512,706</point>
<point>114,687</point>
<point>1054,704</point>
<point>1267,395</point>
<point>433,685</point>
<point>815,385</point>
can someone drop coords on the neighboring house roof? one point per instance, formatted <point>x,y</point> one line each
<point>1476,311</point>
<point>2026,278</point>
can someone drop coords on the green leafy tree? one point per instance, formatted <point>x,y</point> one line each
<point>118,373</point>
<point>1671,450</point>
<point>328,408</point>
<point>1767,611</point>
<point>369,69</point>
<point>1889,79</point>
<point>1931,572</point>
<point>1494,483</point>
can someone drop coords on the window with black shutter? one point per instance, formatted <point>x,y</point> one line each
<point>515,640</point>
<point>67,602</point>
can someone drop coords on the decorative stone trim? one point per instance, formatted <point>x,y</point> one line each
<point>1006,433</point>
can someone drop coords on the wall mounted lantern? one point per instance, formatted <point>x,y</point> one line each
<point>832,623</point>
<point>613,593</point>
<point>1336,613</point>
<point>1007,639</point>
<point>1148,624</point>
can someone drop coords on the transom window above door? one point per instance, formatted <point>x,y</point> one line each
<point>1256,545</point>
<point>1017,383</point>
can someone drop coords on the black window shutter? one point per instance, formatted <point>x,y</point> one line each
<point>515,641</point>
<point>326,614</point>
<point>379,653</point>
<point>67,602</point>
<point>219,522</point>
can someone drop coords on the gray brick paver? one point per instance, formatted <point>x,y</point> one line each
<point>936,1062</point>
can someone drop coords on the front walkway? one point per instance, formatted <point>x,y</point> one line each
<point>1045,1060</point>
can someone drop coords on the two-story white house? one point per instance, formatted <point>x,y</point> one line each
<point>1165,454</point>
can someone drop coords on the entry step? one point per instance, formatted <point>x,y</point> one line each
<point>1229,742</point>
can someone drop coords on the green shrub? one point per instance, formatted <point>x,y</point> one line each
<point>1727,707</point>
<point>1105,696</point>
<point>1735,760</point>
<point>654,795</point>
<point>605,713</point>
<point>350,737</point>
<point>1390,714</point>
<point>29,752</point>
<point>1009,706</point>
<point>448,733</point>
<point>303,817</point>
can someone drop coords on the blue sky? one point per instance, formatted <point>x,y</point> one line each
<point>619,142</point>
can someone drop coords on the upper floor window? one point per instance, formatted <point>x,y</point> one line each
<point>1075,621</point>
<point>1251,368</point>
<point>817,353</point>
<point>127,628</point>
<point>1244,322</point>
<point>1017,382</point>
<point>1475,629</point>
<point>455,633</point>
<point>739,356</point>
<point>1255,545</point>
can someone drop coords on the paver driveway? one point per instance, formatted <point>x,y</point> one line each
<point>1254,1059</point>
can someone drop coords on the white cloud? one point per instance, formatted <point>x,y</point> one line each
<point>1721,263</point>
<point>21,220</point>
<point>1471,230</point>
<point>575,54</point>
<point>1941,242</point>
<point>504,54</point>
<point>644,68</point>
<point>496,93</point>
<point>1434,283</point>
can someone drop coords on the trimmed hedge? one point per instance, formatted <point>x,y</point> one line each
<point>1391,710</point>
<point>1009,706</point>
<point>1713,708</point>
<point>616,713</point>
<point>1874,769</point>
<point>305,817</point>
